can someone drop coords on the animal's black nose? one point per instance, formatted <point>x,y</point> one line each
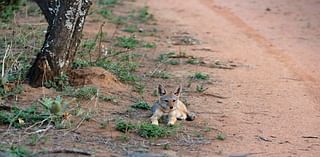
<point>171,107</point>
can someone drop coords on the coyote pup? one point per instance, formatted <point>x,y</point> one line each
<point>170,105</point>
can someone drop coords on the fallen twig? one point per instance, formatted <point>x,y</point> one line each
<point>4,60</point>
<point>263,139</point>
<point>41,130</point>
<point>74,129</point>
<point>64,150</point>
<point>216,96</point>
<point>41,123</point>
<point>203,49</point>
<point>182,56</point>
<point>310,137</point>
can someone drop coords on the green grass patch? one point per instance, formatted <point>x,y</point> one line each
<point>108,98</point>
<point>22,117</point>
<point>165,57</point>
<point>200,76</point>
<point>20,151</point>
<point>131,29</point>
<point>86,93</point>
<point>220,137</point>
<point>193,61</point>
<point>59,82</point>
<point>123,70</point>
<point>148,130</point>
<point>200,88</point>
<point>141,15</point>
<point>108,2</point>
<point>127,42</point>
<point>124,126</point>
<point>9,8</point>
<point>149,45</point>
<point>80,63</point>
<point>108,14</point>
<point>129,57</point>
<point>173,62</point>
<point>141,105</point>
<point>161,74</point>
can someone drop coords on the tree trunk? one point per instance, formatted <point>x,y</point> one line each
<point>65,24</point>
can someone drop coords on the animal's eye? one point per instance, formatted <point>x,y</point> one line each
<point>166,100</point>
<point>174,100</point>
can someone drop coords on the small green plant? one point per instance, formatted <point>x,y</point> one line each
<point>148,130</point>
<point>197,134</point>
<point>22,117</point>
<point>173,62</point>
<point>167,146</point>
<point>131,29</point>
<point>200,76</point>
<point>129,57</point>
<point>33,139</point>
<point>141,105</point>
<point>9,92</point>
<point>108,2</point>
<point>79,63</point>
<point>139,87</point>
<point>106,13</point>
<point>164,58</point>
<point>86,92</point>
<point>87,115</point>
<point>55,106</point>
<point>124,126</point>
<point>20,151</point>
<point>200,88</point>
<point>142,15</point>
<point>130,110</point>
<point>220,137</point>
<point>59,83</point>
<point>123,70</point>
<point>149,45</point>
<point>104,124</point>
<point>124,137</point>
<point>207,129</point>
<point>8,9</point>
<point>161,74</point>
<point>119,20</point>
<point>127,42</point>
<point>193,61</point>
<point>108,98</point>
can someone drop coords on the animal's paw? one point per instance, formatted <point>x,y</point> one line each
<point>155,122</point>
<point>183,117</point>
<point>191,116</point>
<point>170,123</point>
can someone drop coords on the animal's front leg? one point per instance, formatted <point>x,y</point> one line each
<point>154,118</point>
<point>172,118</point>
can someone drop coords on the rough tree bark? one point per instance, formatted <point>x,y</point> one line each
<point>65,24</point>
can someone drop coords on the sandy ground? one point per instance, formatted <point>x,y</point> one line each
<point>273,109</point>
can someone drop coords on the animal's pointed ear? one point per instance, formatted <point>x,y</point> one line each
<point>161,90</point>
<point>177,91</point>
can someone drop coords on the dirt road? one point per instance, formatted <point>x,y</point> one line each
<point>273,109</point>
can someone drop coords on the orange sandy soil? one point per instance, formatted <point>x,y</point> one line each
<point>266,102</point>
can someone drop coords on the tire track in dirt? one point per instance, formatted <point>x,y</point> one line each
<point>311,82</point>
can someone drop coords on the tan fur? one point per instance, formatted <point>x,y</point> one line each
<point>170,105</point>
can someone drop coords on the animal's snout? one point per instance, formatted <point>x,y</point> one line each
<point>171,107</point>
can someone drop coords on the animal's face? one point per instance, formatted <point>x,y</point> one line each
<point>168,102</point>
